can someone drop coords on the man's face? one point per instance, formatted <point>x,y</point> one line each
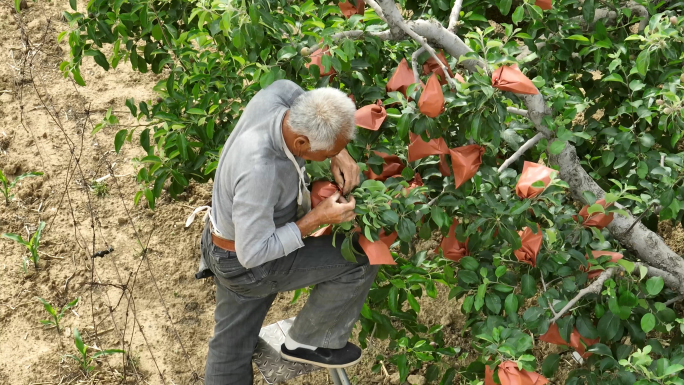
<point>303,146</point>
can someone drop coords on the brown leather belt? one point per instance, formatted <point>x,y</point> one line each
<point>223,243</point>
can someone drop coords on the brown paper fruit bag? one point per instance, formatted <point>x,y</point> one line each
<point>509,374</point>
<point>419,149</point>
<point>451,247</point>
<point>371,116</point>
<point>614,257</point>
<point>322,190</point>
<point>531,244</point>
<point>432,66</point>
<point>544,4</point>
<point>316,57</point>
<point>393,166</point>
<point>378,252</point>
<point>401,79</point>
<point>598,220</point>
<point>444,166</point>
<point>553,336</point>
<point>531,173</point>
<point>431,102</point>
<point>509,78</point>
<point>349,10</point>
<point>465,161</point>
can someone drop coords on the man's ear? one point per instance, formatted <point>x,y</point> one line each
<point>301,145</point>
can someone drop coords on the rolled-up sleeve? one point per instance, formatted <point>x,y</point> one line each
<point>257,240</point>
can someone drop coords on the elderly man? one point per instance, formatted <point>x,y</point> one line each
<point>254,244</point>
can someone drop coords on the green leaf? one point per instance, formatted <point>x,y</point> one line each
<point>586,327</point>
<point>412,302</point>
<point>613,78</point>
<point>654,285</point>
<point>286,52</point>
<point>601,350</point>
<point>550,365</point>
<point>469,263</point>
<point>596,208</point>
<point>17,5</point>
<point>577,38</point>
<point>195,111</point>
<point>119,139</point>
<point>667,197</point>
<point>493,302</point>
<point>607,159</point>
<point>505,6</point>
<point>130,103</point>
<point>529,286</point>
<point>78,341</point>
<point>557,147</point>
<point>608,326</point>
<point>518,15</point>
<point>643,61</point>
<point>107,352</point>
<point>73,4</point>
<point>76,73</point>
<point>16,238</point>
<point>588,11</point>
<point>511,304</point>
<point>406,229</point>
<point>648,322</point>
<point>402,365</point>
<point>647,140</point>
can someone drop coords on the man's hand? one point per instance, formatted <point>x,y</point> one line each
<point>328,212</point>
<point>345,171</point>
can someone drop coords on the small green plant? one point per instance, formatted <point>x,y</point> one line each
<point>99,188</point>
<point>56,317</point>
<point>84,360</point>
<point>7,185</point>
<point>32,245</point>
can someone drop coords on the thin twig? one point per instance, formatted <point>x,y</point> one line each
<point>639,219</point>
<point>395,20</point>
<point>453,18</point>
<point>594,288</point>
<point>414,64</point>
<point>673,300</point>
<point>517,111</point>
<point>529,144</point>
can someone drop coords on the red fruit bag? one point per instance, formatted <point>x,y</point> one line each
<point>419,149</point>
<point>531,173</point>
<point>465,162</point>
<point>371,116</point>
<point>378,252</point>
<point>509,78</point>
<point>431,102</point>
<point>451,247</point>
<point>322,190</point>
<point>348,10</point>
<point>417,181</point>
<point>393,166</point>
<point>401,79</point>
<point>614,257</point>
<point>553,336</point>
<point>597,220</point>
<point>531,244</point>
<point>431,66</point>
<point>509,374</point>
<point>444,166</point>
<point>316,57</point>
<point>544,4</point>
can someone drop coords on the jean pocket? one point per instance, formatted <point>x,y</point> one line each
<point>226,264</point>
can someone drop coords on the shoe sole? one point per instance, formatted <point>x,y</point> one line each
<point>320,364</point>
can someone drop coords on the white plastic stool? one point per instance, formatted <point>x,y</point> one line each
<point>274,368</point>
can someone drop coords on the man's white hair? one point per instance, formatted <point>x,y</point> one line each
<point>322,115</point>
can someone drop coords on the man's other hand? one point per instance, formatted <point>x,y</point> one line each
<point>345,171</point>
<point>333,210</point>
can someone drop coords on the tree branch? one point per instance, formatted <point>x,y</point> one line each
<point>517,111</point>
<point>395,20</point>
<point>521,151</point>
<point>377,9</point>
<point>355,35</point>
<point>593,288</point>
<point>453,18</point>
<point>414,63</point>
<point>673,300</point>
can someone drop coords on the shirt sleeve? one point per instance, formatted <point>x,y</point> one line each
<point>257,240</point>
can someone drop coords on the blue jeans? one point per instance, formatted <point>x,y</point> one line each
<point>243,297</point>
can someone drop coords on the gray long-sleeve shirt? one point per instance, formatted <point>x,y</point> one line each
<point>256,185</point>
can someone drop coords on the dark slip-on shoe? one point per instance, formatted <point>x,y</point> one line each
<point>349,355</point>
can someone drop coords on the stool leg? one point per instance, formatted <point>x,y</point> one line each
<point>335,377</point>
<point>344,380</point>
